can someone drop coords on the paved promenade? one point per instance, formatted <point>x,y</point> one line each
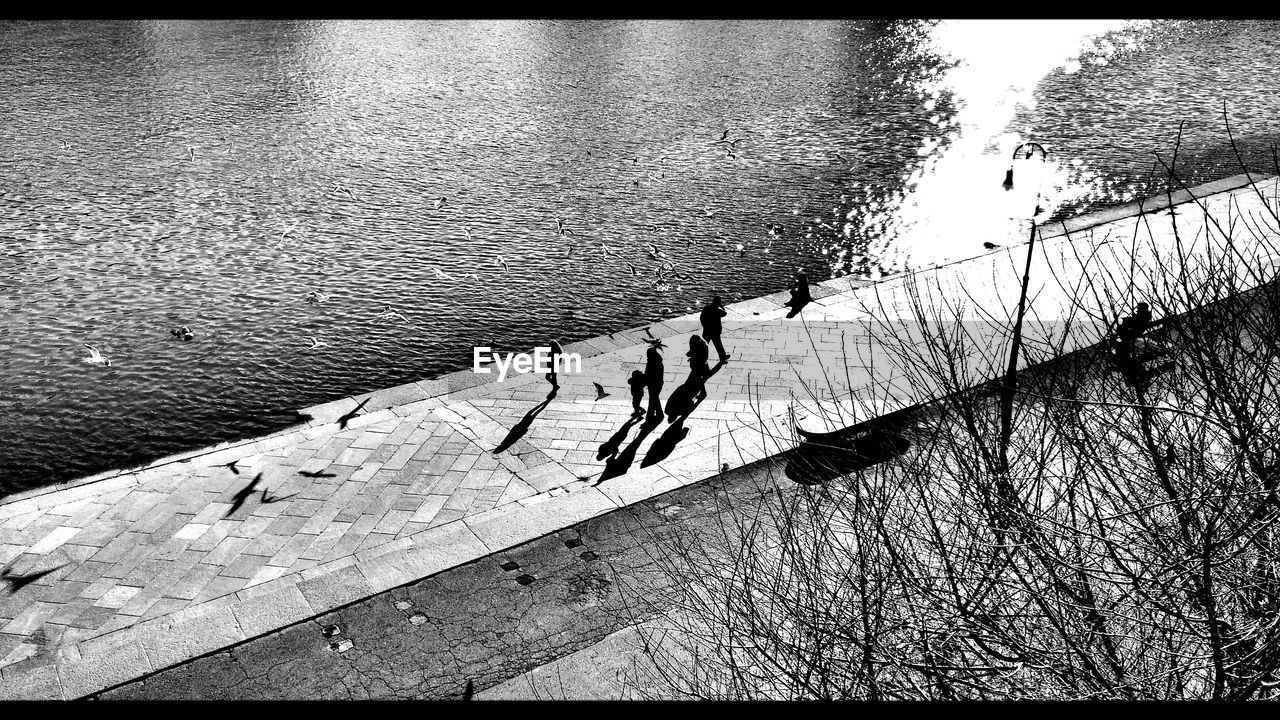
<point>148,568</point>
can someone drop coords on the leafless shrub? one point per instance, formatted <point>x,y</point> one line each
<point>1064,524</point>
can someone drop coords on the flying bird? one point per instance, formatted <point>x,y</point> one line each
<point>570,252</point>
<point>237,501</point>
<point>316,343</point>
<point>389,314</point>
<point>709,212</point>
<point>440,201</point>
<point>95,357</point>
<point>232,466</point>
<point>990,245</point>
<point>467,229</point>
<point>605,249</point>
<point>499,261</point>
<point>191,151</point>
<point>600,393</point>
<point>342,421</point>
<point>315,297</point>
<point>634,271</point>
<point>441,274</point>
<point>724,137</point>
<point>315,474</point>
<point>66,145</point>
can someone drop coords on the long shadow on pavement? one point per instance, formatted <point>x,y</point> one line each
<point>522,427</point>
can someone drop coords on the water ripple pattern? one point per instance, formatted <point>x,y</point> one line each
<point>276,186</point>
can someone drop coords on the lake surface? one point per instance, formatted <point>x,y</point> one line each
<point>214,173</point>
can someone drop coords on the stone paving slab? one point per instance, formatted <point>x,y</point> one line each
<point>157,565</point>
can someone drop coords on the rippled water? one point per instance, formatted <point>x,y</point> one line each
<point>212,174</point>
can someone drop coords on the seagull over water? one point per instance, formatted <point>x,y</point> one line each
<point>95,357</point>
<point>560,228</point>
<point>316,343</point>
<point>600,393</point>
<point>499,261</point>
<point>440,201</point>
<point>634,271</point>
<point>441,274</point>
<point>315,297</point>
<point>390,314</point>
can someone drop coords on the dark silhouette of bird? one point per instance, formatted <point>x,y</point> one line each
<point>503,263</point>
<point>232,466</point>
<point>267,500</point>
<point>658,344</point>
<point>440,201</point>
<point>634,271</point>
<point>16,582</point>
<point>600,393</point>
<point>316,474</point>
<point>469,690</point>
<point>342,421</point>
<point>990,245</point>
<point>237,501</point>
<point>570,252</point>
<point>724,137</point>
<point>649,332</point>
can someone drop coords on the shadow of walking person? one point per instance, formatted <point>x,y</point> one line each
<point>666,443</point>
<point>799,294</point>
<point>687,397</point>
<point>611,446</point>
<point>522,427</point>
<point>619,464</point>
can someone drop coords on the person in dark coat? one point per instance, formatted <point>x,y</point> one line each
<point>711,329</point>
<point>653,370</point>
<point>799,294</point>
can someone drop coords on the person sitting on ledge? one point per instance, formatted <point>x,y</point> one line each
<point>799,294</point>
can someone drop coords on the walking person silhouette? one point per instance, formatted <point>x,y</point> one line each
<point>711,329</point>
<point>556,352</point>
<point>653,369</point>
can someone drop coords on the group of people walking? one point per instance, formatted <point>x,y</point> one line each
<point>651,378</point>
<point>699,354</point>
